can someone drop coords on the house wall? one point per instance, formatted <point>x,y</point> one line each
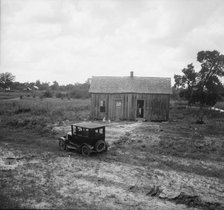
<point>156,106</point>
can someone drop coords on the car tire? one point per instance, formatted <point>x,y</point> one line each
<point>100,146</point>
<point>62,145</point>
<point>85,151</point>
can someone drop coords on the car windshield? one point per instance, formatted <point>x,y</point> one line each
<point>82,131</point>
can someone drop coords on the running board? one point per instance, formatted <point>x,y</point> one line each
<point>71,147</point>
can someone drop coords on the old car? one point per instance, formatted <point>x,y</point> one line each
<point>85,137</point>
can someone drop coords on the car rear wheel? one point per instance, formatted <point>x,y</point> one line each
<point>85,150</point>
<point>100,146</point>
<point>62,145</point>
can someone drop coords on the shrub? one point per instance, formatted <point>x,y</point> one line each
<point>62,95</point>
<point>22,110</point>
<point>47,94</point>
<point>59,95</point>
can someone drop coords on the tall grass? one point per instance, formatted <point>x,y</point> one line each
<point>10,95</point>
<point>39,113</point>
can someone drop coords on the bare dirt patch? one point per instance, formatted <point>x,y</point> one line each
<point>137,172</point>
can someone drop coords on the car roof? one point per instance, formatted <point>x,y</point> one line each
<point>89,125</point>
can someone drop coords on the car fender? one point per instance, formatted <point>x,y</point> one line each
<point>62,138</point>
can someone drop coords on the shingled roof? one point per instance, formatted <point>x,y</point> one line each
<point>158,85</point>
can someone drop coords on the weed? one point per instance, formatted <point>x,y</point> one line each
<point>22,110</point>
<point>34,113</point>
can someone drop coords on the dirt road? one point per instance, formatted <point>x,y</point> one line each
<point>128,176</point>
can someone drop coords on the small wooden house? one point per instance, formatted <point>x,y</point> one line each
<point>130,98</point>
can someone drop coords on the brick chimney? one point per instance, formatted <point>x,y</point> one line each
<point>131,74</point>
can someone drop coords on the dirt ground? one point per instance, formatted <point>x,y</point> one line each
<point>134,174</point>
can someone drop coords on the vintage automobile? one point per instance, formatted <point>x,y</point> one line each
<point>85,137</point>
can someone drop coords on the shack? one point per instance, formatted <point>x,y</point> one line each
<point>130,98</point>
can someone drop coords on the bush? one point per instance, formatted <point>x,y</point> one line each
<point>59,95</point>
<point>22,110</point>
<point>47,94</point>
<point>79,93</point>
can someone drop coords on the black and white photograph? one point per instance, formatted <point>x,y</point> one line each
<point>112,104</point>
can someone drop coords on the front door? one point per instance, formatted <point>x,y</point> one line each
<point>118,110</point>
<point>140,108</point>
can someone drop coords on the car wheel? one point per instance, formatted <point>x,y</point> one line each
<point>85,150</point>
<point>62,145</point>
<point>100,146</point>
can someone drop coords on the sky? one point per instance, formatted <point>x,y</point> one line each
<point>69,41</point>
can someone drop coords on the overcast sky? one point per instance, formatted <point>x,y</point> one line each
<point>72,40</point>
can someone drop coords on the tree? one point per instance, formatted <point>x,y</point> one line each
<point>212,68</point>
<point>6,80</point>
<point>80,90</point>
<point>18,86</point>
<point>55,85</point>
<point>187,82</point>
<point>38,84</point>
<point>44,86</point>
<point>205,86</point>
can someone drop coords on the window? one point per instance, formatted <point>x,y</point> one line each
<point>102,106</point>
<point>79,130</point>
<point>82,131</point>
<point>99,131</point>
<point>85,132</point>
<point>74,130</point>
<point>118,103</point>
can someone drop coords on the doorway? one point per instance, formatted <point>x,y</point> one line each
<point>140,108</point>
<point>118,110</point>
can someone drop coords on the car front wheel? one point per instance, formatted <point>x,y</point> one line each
<point>62,145</point>
<point>85,150</point>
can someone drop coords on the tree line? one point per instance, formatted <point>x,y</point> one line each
<point>76,90</point>
<point>202,86</point>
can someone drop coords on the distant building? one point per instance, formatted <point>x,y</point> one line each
<point>35,87</point>
<point>130,98</point>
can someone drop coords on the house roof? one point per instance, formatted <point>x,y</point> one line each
<point>157,85</point>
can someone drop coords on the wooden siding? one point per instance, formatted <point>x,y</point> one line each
<point>156,106</point>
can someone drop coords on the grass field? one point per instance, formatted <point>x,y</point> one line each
<point>40,114</point>
<point>10,95</point>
